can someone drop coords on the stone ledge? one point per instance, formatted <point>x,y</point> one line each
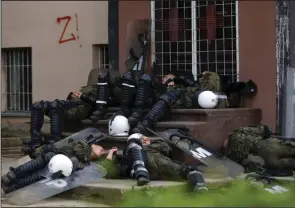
<point>11,142</point>
<point>111,192</point>
<point>57,202</point>
<point>162,124</point>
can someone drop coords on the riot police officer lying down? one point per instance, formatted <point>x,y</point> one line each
<point>142,159</point>
<point>136,98</point>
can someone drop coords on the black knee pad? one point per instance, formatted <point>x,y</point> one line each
<point>47,157</point>
<point>42,106</point>
<point>144,91</point>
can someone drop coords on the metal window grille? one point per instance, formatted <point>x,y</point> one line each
<point>195,36</point>
<point>16,79</point>
<point>172,36</point>
<point>100,56</point>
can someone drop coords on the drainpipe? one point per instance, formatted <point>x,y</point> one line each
<point>113,33</point>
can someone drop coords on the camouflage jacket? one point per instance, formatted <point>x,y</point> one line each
<point>255,149</point>
<point>159,165</point>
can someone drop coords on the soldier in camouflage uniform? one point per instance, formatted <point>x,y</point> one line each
<point>156,160</point>
<point>256,149</point>
<point>180,92</point>
<point>154,164</point>
<point>79,152</point>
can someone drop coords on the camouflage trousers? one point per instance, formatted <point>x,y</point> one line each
<point>159,165</point>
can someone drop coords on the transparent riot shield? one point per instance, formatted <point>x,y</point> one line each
<point>48,187</point>
<point>92,135</point>
<point>193,151</point>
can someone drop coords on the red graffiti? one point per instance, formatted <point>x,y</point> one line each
<point>77,27</point>
<point>68,19</point>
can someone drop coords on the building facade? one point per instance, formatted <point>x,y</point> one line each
<point>48,49</point>
<point>62,41</point>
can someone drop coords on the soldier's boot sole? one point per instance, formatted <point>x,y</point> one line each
<point>142,181</point>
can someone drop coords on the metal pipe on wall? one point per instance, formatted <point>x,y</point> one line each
<point>113,33</point>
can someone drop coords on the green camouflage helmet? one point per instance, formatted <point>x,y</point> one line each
<point>210,81</point>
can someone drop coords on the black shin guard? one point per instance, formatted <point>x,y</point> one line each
<point>102,96</point>
<point>135,158</point>
<point>38,110</point>
<point>129,91</point>
<point>35,177</point>
<point>24,170</point>
<point>142,101</point>
<point>157,112</point>
<point>56,111</point>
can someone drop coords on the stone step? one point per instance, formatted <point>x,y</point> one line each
<point>204,114</point>
<point>160,126</point>
<point>111,192</point>
<point>57,202</point>
<point>12,151</point>
<point>11,142</point>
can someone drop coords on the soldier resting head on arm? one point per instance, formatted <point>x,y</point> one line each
<point>257,150</point>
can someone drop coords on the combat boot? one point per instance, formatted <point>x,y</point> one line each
<point>129,92</point>
<point>157,112</point>
<point>28,180</point>
<point>194,178</point>
<point>102,97</point>
<point>38,110</point>
<point>15,174</point>
<point>143,99</point>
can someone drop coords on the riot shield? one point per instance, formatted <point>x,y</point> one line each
<point>267,183</point>
<point>138,46</point>
<point>92,135</point>
<point>48,187</point>
<point>190,151</point>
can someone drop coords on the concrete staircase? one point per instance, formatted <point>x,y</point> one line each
<point>210,126</point>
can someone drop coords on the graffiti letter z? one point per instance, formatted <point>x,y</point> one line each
<point>61,40</point>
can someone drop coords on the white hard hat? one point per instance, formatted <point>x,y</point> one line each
<point>119,125</point>
<point>60,163</point>
<point>207,99</point>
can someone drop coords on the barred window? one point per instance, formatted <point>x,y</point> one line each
<point>16,79</point>
<point>195,36</point>
<point>100,56</point>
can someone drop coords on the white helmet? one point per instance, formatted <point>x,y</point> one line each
<point>59,163</point>
<point>207,99</point>
<point>119,125</point>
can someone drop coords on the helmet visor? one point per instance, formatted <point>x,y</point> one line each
<point>48,173</point>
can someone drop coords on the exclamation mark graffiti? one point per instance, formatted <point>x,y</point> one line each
<point>77,26</point>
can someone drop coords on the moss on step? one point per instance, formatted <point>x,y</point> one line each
<point>112,192</point>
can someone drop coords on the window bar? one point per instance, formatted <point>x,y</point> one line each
<point>194,39</point>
